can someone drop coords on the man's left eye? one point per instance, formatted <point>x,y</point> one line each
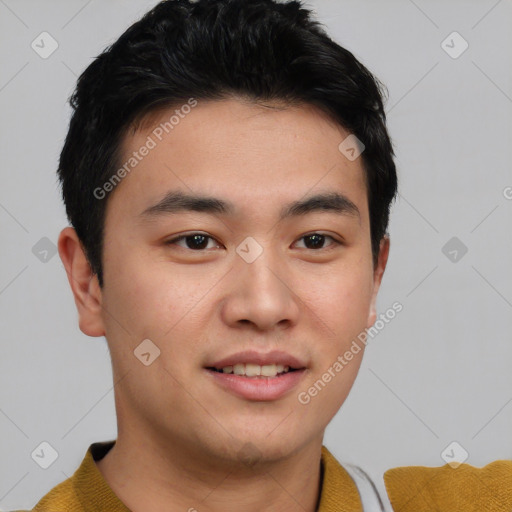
<point>317,240</point>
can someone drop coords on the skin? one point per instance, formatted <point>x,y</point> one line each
<point>179,434</point>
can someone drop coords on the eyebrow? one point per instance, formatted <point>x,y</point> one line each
<point>177,201</point>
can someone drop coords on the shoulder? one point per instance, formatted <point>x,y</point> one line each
<point>465,487</point>
<point>61,497</point>
<point>83,491</point>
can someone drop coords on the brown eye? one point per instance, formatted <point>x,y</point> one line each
<point>193,241</point>
<point>316,241</point>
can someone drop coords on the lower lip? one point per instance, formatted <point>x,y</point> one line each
<point>258,388</point>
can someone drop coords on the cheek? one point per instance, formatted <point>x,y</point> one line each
<point>153,297</point>
<point>341,300</point>
<point>340,305</point>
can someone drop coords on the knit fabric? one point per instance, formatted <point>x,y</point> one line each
<point>445,489</point>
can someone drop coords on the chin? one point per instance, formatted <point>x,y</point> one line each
<point>264,448</point>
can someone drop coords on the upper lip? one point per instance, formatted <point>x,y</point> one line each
<point>253,357</point>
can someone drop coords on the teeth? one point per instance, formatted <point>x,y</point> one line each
<point>252,370</point>
<point>255,370</point>
<point>239,369</point>
<point>270,370</point>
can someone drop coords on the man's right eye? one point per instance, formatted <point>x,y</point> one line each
<point>193,241</point>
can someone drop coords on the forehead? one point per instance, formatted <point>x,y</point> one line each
<point>249,154</point>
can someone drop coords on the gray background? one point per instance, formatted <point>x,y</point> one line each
<point>439,372</point>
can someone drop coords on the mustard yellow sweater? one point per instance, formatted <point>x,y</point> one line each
<point>445,489</point>
<point>410,489</point>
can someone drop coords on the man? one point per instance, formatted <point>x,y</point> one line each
<point>228,176</point>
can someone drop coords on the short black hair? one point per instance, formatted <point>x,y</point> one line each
<point>212,50</point>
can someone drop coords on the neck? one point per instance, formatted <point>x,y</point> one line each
<point>148,475</point>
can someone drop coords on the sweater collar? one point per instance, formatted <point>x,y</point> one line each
<point>338,492</point>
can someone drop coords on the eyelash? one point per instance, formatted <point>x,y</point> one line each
<point>177,239</point>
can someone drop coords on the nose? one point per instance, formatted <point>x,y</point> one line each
<point>260,294</point>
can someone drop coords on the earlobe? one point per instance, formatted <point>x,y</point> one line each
<point>377,278</point>
<point>83,282</point>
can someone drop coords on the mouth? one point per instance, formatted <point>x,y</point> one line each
<point>257,376</point>
<point>255,371</point>
<point>261,383</point>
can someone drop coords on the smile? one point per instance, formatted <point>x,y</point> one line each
<point>257,387</point>
<point>255,370</point>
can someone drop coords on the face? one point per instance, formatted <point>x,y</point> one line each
<point>244,273</point>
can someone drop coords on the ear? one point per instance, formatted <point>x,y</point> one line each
<point>84,283</point>
<point>377,278</point>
